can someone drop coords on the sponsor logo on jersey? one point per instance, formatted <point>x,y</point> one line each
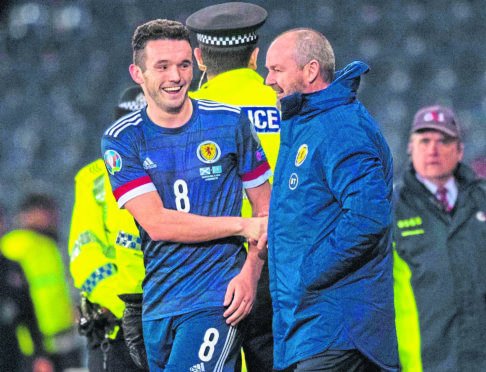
<point>265,119</point>
<point>197,368</point>
<point>293,181</point>
<point>208,152</point>
<point>113,161</point>
<point>149,164</point>
<point>301,155</point>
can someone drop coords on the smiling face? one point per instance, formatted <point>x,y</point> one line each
<point>284,75</point>
<point>165,76</point>
<point>435,155</point>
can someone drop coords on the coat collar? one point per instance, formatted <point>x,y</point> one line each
<point>342,90</point>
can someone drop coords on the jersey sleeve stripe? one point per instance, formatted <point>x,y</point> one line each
<point>138,187</point>
<point>257,176</point>
<point>215,106</point>
<point>121,122</point>
<point>119,126</point>
<point>134,193</point>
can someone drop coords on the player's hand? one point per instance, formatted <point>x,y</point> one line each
<point>260,246</point>
<point>239,297</point>
<point>255,227</point>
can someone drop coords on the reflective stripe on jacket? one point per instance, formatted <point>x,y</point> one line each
<point>104,245</point>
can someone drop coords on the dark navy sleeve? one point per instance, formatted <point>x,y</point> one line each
<point>127,176</point>
<point>253,165</point>
<point>354,167</point>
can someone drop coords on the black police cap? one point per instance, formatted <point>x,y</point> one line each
<point>227,24</point>
<point>132,99</point>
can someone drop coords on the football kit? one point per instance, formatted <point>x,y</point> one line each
<point>200,167</point>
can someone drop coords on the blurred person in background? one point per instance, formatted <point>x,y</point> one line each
<point>34,245</point>
<point>440,255</point>
<point>479,166</point>
<point>21,340</point>
<point>106,261</point>
<point>227,54</point>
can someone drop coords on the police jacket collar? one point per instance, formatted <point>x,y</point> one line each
<point>341,91</point>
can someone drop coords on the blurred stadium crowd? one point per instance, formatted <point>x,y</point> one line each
<point>63,64</point>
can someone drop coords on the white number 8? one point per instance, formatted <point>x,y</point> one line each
<point>182,199</point>
<point>206,350</point>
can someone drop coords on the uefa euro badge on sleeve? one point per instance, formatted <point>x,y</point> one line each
<point>113,161</point>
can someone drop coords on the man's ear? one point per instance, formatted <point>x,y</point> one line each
<point>199,60</point>
<point>136,74</point>
<point>409,148</point>
<point>461,150</point>
<point>311,71</point>
<point>253,59</point>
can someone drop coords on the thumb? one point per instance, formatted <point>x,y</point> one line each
<point>262,242</point>
<point>228,297</point>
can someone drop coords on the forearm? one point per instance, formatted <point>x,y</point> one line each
<point>171,225</point>
<point>259,198</point>
<point>178,226</point>
<point>254,262</point>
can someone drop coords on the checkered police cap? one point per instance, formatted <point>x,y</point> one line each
<point>132,99</point>
<point>227,24</point>
<point>227,40</point>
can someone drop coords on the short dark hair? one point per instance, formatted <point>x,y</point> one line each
<point>38,201</point>
<point>218,60</point>
<point>158,29</point>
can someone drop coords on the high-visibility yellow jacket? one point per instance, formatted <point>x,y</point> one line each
<point>42,264</point>
<point>407,322</point>
<point>104,243</point>
<point>245,88</point>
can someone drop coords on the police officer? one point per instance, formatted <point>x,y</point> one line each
<point>34,245</point>
<point>106,260</point>
<point>227,55</point>
<point>17,317</point>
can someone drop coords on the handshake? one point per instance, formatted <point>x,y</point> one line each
<point>255,230</point>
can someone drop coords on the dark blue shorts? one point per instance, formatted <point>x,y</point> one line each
<point>196,341</point>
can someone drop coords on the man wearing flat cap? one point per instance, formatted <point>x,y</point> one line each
<point>227,55</point>
<point>440,251</point>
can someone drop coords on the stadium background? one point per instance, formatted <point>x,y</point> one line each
<point>63,65</point>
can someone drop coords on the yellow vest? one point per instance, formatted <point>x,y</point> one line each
<point>41,261</point>
<point>245,88</point>
<point>407,319</point>
<point>104,243</point>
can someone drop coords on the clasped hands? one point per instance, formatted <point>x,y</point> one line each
<point>257,236</point>
<point>241,290</point>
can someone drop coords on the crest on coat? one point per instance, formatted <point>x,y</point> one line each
<point>301,155</point>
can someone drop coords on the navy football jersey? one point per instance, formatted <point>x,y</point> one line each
<point>200,168</point>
